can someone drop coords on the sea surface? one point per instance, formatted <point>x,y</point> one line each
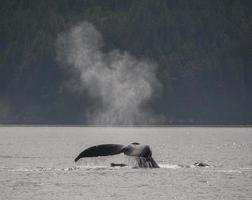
<point>37,163</point>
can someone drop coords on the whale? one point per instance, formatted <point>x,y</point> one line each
<point>117,165</point>
<point>142,153</point>
<point>201,164</point>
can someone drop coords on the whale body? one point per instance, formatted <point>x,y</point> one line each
<point>142,153</point>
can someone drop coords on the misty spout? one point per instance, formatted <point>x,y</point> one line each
<point>120,84</point>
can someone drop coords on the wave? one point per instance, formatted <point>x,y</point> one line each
<point>107,167</point>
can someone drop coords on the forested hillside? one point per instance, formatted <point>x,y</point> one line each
<point>203,52</point>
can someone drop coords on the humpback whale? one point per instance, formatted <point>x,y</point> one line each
<point>142,153</point>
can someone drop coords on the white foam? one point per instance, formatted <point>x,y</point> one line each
<point>169,166</point>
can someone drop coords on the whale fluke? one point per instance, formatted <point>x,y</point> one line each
<point>142,153</point>
<point>101,150</point>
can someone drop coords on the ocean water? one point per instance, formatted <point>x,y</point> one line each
<point>37,163</point>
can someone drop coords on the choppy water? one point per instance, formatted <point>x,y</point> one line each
<point>37,163</point>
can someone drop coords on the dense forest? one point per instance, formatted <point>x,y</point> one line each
<point>203,50</point>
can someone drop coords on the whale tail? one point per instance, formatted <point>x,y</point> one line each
<point>142,153</point>
<point>101,150</point>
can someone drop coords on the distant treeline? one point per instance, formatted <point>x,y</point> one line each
<point>203,50</point>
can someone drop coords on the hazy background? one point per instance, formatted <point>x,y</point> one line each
<point>126,62</point>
